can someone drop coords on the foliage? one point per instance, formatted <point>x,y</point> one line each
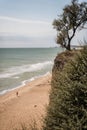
<point>67,109</point>
<point>74,17</point>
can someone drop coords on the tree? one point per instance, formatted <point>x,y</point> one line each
<point>73,18</point>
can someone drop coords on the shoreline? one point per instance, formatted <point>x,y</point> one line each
<point>24,83</point>
<point>31,101</point>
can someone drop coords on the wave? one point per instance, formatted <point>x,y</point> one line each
<point>33,78</point>
<point>23,83</point>
<point>16,70</point>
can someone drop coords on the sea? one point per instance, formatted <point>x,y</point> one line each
<point>19,66</point>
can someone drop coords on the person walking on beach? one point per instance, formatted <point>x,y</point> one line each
<point>17,94</point>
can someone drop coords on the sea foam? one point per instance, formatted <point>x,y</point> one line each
<point>17,70</point>
<point>23,83</point>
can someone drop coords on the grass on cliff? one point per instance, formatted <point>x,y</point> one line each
<point>67,109</point>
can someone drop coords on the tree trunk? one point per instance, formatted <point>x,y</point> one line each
<point>69,46</point>
<point>69,40</point>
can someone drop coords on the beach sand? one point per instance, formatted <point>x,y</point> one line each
<point>26,106</point>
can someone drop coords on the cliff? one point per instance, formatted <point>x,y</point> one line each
<point>67,109</point>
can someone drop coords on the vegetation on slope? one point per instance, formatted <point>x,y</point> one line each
<point>67,109</point>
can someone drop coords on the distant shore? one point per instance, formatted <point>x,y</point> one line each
<point>25,104</point>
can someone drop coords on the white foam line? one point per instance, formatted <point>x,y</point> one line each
<point>16,70</point>
<point>24,83</point>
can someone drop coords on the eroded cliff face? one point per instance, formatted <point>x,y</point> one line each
<point>61,60</point>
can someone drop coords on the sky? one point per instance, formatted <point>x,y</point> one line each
<point>28,23</point>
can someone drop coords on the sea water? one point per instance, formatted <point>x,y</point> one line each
<point>21,65</point>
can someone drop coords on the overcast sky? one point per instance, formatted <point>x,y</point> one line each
<point>28,23</point>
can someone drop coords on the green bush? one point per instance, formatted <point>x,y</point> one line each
<point>67,109</point>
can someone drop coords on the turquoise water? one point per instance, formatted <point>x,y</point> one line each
<point>21,65</point>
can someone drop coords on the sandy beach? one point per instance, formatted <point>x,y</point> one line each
<point>29,105</point>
